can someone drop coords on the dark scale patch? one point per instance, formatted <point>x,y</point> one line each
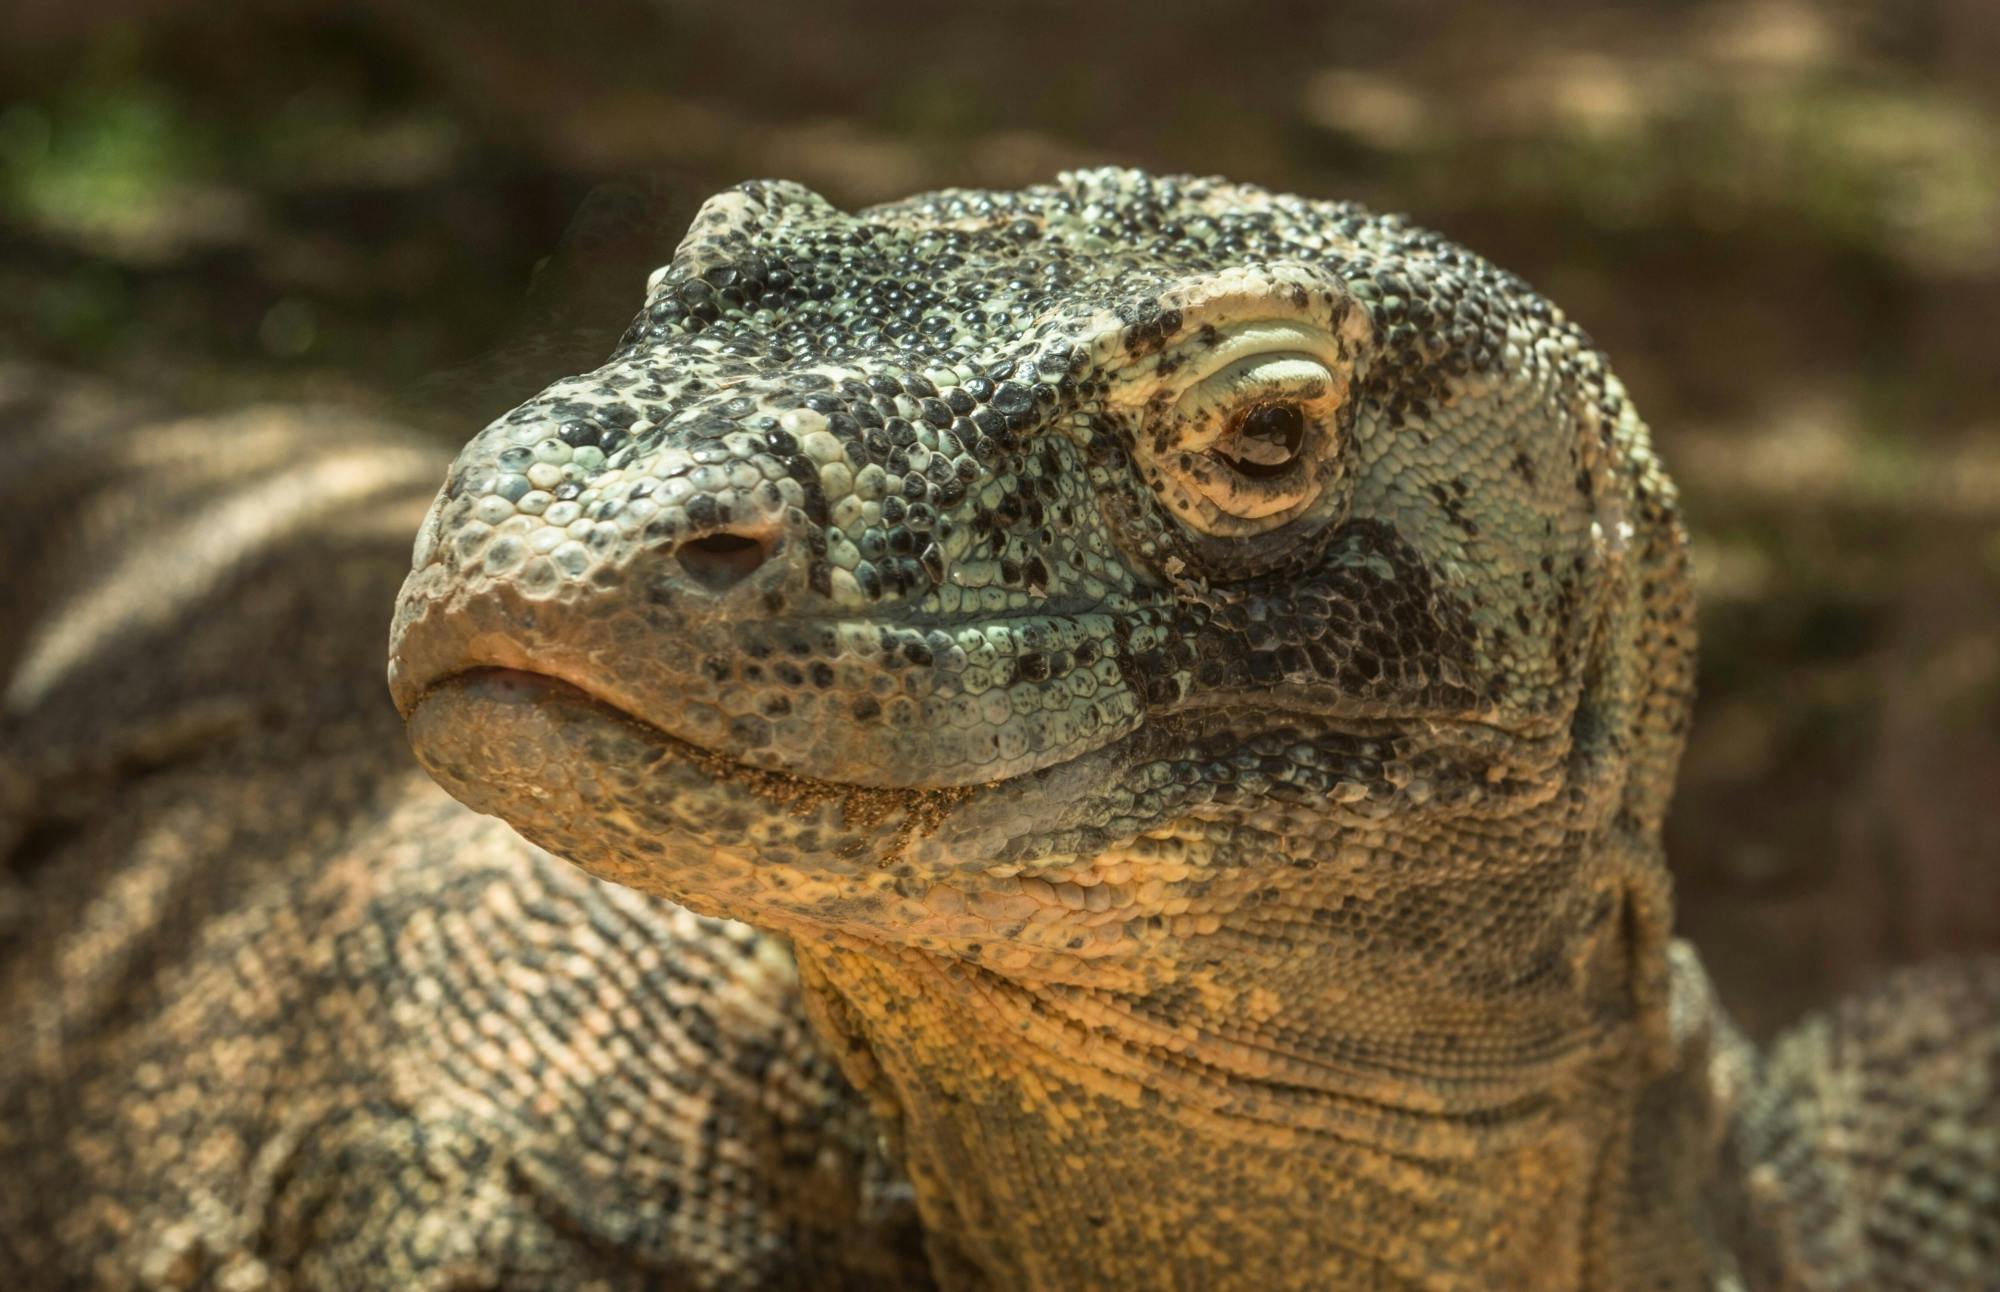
<point>1344,627</point>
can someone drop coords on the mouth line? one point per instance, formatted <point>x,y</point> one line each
<point>790,788</point>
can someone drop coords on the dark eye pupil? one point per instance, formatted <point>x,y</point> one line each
<point>1267,441</point>
<point>1276,424</point>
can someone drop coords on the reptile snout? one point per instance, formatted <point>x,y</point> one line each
<point>839,577</point>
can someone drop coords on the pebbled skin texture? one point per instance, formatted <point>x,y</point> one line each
<point>1193,846</point>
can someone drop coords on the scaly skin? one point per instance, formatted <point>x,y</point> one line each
<point>1219,845</point>
<point>1196,673</point>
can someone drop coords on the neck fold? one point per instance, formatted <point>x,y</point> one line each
<point>1062,1138</point>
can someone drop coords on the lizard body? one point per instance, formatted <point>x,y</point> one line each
<point>1191,676</point>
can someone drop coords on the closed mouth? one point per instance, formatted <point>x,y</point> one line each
<point>483,692</point>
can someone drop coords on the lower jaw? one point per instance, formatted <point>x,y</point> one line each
<point>812,859</point>
<point>638,807</point>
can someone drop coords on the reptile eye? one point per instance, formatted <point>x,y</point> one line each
<point>1241,433</point>
<point>1265,442</point>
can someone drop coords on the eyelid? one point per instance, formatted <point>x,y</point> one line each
<point>1297,375</point>
<point>1255,379</point>
<point>1263,337</point>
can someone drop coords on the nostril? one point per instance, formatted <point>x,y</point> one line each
<point>719,562</point>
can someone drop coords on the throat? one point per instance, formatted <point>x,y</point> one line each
<point>1061,1139</point>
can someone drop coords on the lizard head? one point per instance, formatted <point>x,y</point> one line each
<point>1085,581</point>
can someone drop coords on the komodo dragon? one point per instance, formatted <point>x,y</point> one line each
<point>1186,679</point>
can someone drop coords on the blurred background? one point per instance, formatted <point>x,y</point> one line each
<point>1781,218</point>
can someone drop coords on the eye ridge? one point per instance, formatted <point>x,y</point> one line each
<point>1268,438</point>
